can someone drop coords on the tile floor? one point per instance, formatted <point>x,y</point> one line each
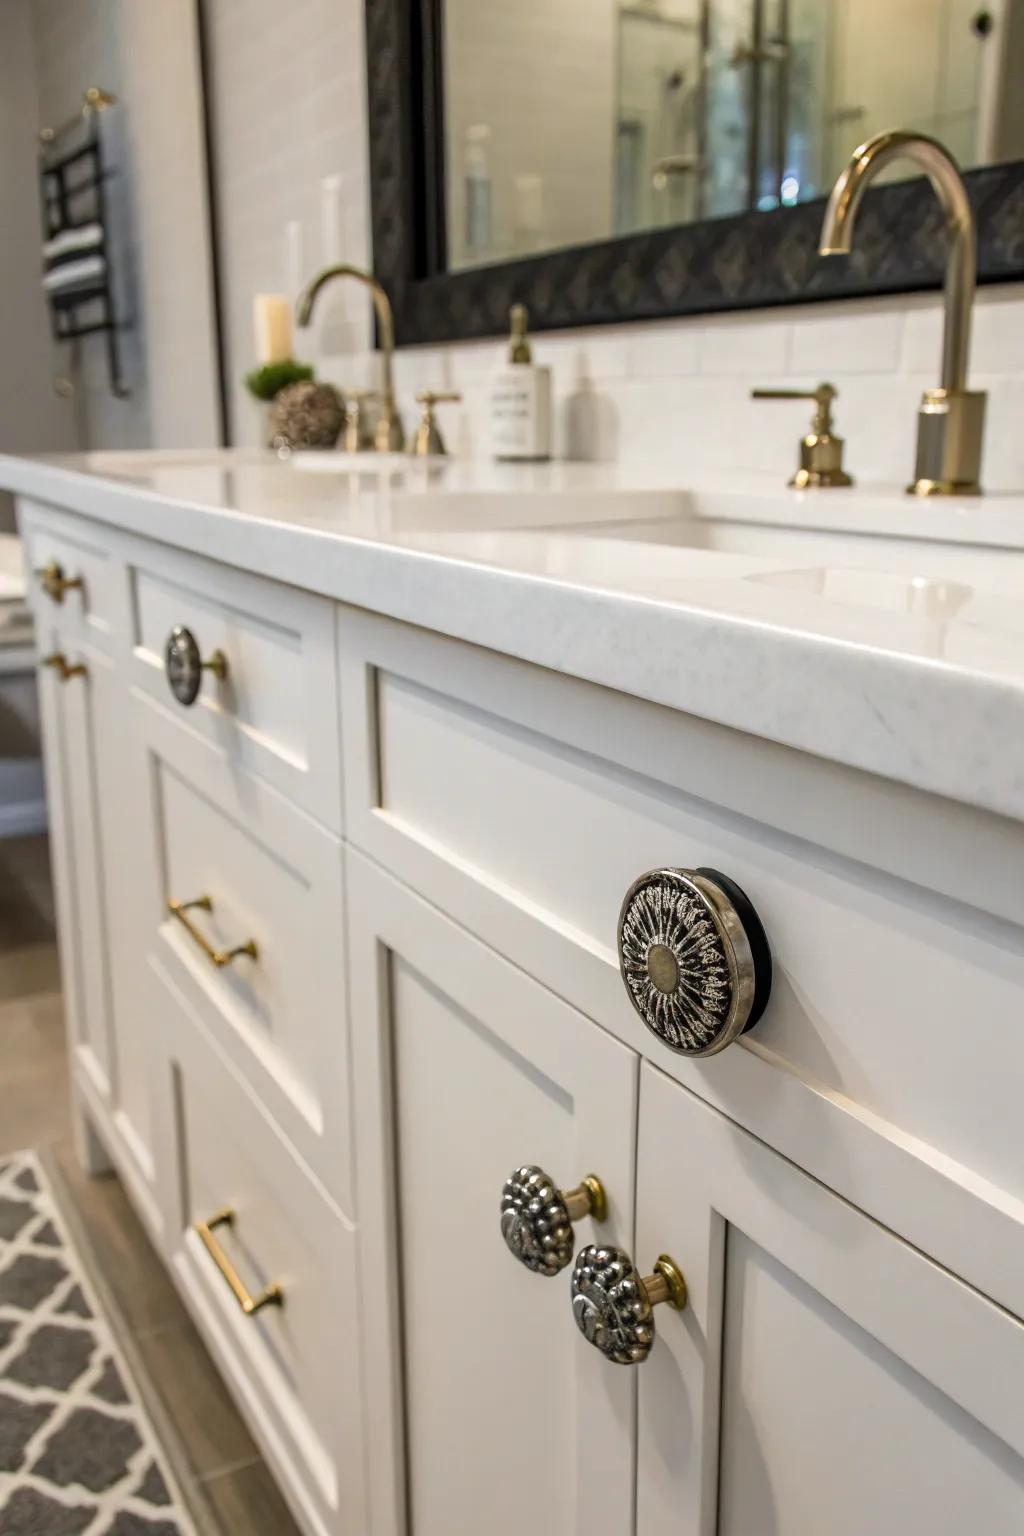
<point>222,1463</point>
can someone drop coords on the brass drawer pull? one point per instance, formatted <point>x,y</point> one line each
<point>613,1304</point>
<point>184,665</point>
<point>272,1296</point>
<point>537,1216</point>
<point>54,583</point>
<point>217,957</point>
<point>64,668</point>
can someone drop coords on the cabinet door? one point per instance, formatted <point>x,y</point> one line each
<point>825,1376</point>
<point>67,709</point>
<point>465,1069</point>
<point>93,782</point>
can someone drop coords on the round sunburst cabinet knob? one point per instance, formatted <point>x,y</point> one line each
<point>614,1307</point>
<point>184,666</point>
<point>537,1217</point>
<point>694,958</point>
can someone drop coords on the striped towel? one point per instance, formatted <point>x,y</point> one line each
<point>74,259</point>
<point>72,242</point>
<point>75,274</point>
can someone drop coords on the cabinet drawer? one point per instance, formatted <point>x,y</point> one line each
<point>253,873</point>
<point>293,1364</point>
<point>525,803</point>
<point>77,580</point>
<point>275,711</point>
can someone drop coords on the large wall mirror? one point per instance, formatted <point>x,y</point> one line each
<point>611,159</point>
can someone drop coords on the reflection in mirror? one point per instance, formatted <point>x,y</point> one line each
<point>569,121</point>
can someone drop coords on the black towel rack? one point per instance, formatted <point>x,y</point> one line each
<point>73,187</point>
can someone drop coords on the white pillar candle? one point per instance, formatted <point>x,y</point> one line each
<point>272,316</point>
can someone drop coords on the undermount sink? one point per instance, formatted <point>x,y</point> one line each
<point>976,542</point>
<point>333,461</point>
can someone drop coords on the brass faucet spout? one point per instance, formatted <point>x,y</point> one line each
<point>951,419</point>
<point>944,174</point>
<point>390,434</point>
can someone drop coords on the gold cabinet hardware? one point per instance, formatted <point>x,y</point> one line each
<point>613,1304</point>
<point>427,440</point>
<point>64,668</point>
<point>821,451</point>
<point>217,957</point>
<point>537,1216</point>
<point>271,1296</point>
<point>54,583</point>
<point>184,665</point>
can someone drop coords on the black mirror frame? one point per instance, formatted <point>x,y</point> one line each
<point>747,261</point>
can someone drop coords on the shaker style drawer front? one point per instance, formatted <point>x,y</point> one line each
<point>824,1376</point>
<point>496,1131</point>
<point>529,806</point>
<point>248,914</point>
<point>268,1267</point>
<point>247,663</point>
<point>76,578</point>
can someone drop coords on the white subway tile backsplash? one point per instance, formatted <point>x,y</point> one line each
<point>843,339</point>
<point>749,344</point>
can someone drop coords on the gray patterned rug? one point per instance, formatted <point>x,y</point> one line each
<point>78,1456</point>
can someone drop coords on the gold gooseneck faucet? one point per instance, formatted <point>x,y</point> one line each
<point>389,435</point>
<point>951,420</point>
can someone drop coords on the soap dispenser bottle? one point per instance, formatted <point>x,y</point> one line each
<point>521,400</point>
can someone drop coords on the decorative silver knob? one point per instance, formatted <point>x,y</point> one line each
<point>185,666</point>
<point>537,1217</point>
<point>694,958</point>
<point>613,1306</point>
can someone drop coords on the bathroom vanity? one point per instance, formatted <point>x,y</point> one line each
<point>341,947</point>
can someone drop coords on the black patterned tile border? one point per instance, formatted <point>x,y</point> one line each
<point>744,262</point>
<point>78,1456</point>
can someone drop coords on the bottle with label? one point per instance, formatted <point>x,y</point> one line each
<point>521,400</point>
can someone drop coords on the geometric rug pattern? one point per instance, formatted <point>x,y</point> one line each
<point>78,1456</point>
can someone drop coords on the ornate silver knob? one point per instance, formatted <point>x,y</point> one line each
<point>694,958</point>
<point>613,1306</point>
<point>537,1217</point>
<point>185,666</point>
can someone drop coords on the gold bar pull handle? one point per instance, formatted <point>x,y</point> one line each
<point>217,957</point>
<point>64,668</point>
<point>271,1296</point>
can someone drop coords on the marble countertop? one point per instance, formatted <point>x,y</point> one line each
<point>864,627</point>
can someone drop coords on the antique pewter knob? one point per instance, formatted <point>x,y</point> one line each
<point>613,1306</point>
<point>694,958</point>
<point>537,1217</point>
<point>184,665</point>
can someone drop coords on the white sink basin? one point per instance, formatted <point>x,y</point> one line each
<point>332,461</point>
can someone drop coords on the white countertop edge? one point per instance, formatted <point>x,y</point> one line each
<point>883,713</point>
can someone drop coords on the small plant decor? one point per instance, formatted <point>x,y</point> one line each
<point>267,382</point>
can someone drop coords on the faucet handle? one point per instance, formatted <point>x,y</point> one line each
<point>427,440</point>
<point>355,438</point>
<point>821,451</point>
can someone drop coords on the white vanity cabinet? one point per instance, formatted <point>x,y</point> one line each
<point>401,858</point>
